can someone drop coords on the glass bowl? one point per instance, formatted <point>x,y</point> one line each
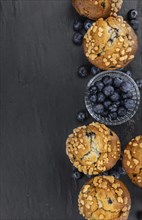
<point>130,113</point>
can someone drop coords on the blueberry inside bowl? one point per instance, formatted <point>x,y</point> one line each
<point>112,97</point>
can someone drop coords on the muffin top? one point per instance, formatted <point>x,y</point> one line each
<point>95,9</point>
<point>110,44</point>
<point>132,160</point>
<point>93,149</point>
<point>104,197</point>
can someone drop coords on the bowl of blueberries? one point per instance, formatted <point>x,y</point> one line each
<point>112,97</point>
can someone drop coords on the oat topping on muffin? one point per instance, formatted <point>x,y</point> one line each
<point>132,160</point>
<point>93,149</point>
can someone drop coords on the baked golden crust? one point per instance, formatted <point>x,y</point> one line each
<point>93,149</point>
<point>104,197</point>
<point>110,44</point>
<point>132,160</point>
<point>95,9</point>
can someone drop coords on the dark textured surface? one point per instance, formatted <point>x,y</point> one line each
<point>40,95</point>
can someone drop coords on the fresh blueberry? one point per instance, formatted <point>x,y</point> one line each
<point>110,201</point>
<point>139,83</point>
<point>113,115</point>
<point>117,82</point>
<point>87,24</point>
<point>82,71</point>
<point>77,38</point>
<point>113,108</point>
<point>107,103</point>
<point>99,85</point>
<point>93,98</point>
<point>99,109</point>
<point>132,14</point>
<point>94,70</point>
<point>125,87</point>
<point>107,80</point>
<point>100,97</point>
<point>115,97</point>
<point>127,95</point>
<point>118,103</point>
<point>115,174</point>
<point>121,170</point>
<point>82,116</point>
<point>108,90</point>
<point>129,103</point>
<point>134,24</point>
<point>76,174</point>
<point>129,73</point>
<point>93,90</point>
<point>77,25</point>
<point>122,111</point>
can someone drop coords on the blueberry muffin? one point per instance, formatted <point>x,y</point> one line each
<point>93,149</point>
<point>104,197</point>
<point>110,44</point>
<point>95,9</point>
<point>132,160</point>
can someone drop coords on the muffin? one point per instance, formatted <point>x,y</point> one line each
<point>110,44</point>
<point>132,160</point>
<point>95,9</point>
<point>93,149</point>
<point>104,197</point>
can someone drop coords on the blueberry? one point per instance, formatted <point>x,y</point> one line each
<point>132,14</point>
<point>107,103</point>
<point>113,115</point>
<point>99,85</point>
<point>125,87</point>
<point>100,97</point>
<point>82,116</point>
<point>127,95</point>
<point>115,97</point>
<point>129,73</point>
<point>94,70</point>
<point>117,82</point>
<point>129,103</point>
<point>82,71</point>
<point>110,201</point>
<point>77,38</point>
<point>76,174</point>
<point>93,90</point>
<point>139,83</point>
<point>115,174</point>
<point>93,98</point>
<point>118,103</point>
<point>122,111</point>
<point>113,108</point>
<point>121,170</point>
<point>108,90</point>
<point>107,80</point>
<point>134,24</point>
<point>87,24</point>
<point>99,109</point>
<point>77,25</point>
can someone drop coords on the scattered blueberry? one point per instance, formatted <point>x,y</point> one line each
<point>107,80</point>
<point>94,70</point>
<point>110,201</point>
<point>93,90</point>
<point>121,170</point>
<point>115,174</point>
<point>132,14</point>
<point>76,174</point>
<point>115,97</point>
<point>100,97</point>
<point>139,83</point>
<point>129,73</point>
<point>87,24</point>
<point>117,82</point>
<point>107,103</point>
<point>77,25</point>
<point>127,95</point>
<point>82,116</point>
<point>108,90</point>
<point>93,98</point>
<point>113,115</point>
<point>134,24</point>
<point>82,71</point>
<point>129,103</point>
<point>99,109</point>
<point>113,108</point>
<point>125,87</point>
<point>77,38</point>
<point>122,111</point>
<point>99,85</point>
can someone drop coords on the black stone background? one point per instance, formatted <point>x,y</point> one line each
<point>40,96</point>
